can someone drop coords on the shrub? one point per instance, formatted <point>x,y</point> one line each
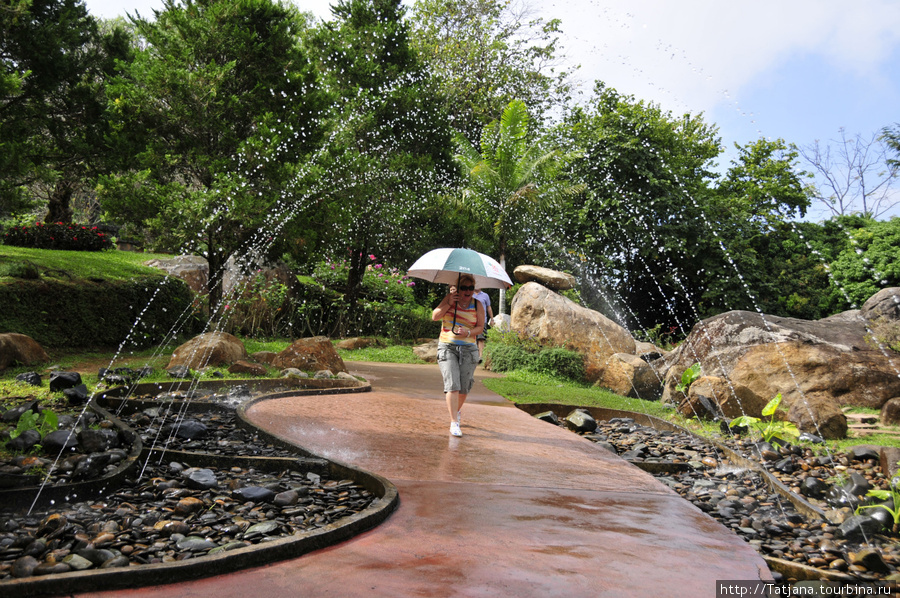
<point>560,362</point>
<point>85,313</point>
<point>70,237</point>
<point>380,283</point>
<point>505,358</point>
<point>507,351</point>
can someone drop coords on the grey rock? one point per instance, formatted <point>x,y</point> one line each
<point>200,479</point>
<point>253,494</point>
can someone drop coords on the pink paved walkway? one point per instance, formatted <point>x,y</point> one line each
<point>516,507</point>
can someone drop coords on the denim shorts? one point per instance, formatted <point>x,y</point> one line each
<point>457,363</point>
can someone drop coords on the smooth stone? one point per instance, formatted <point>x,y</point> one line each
<point>253,494</point>
<point>24,566</point>
<point>200,479</point>
<point>195,544</point>
<point>77,562</point>
<point>265,527</point>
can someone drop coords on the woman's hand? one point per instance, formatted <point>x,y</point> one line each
<point>452,296</point>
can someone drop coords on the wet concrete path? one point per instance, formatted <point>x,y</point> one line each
<point>516,507</point>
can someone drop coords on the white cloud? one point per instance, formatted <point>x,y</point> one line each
<point>696,54</point>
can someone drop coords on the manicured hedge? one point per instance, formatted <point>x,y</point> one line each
<point>94,313</point>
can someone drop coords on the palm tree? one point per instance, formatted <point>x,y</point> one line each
<point>508,178</point>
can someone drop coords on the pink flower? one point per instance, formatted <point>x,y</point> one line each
<point>371,257</point>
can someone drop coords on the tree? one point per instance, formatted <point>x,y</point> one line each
<point>509,178</point>
<point>855,175</point>
<point>487,53</point>
<point>751,207</point>
<point>870,261</point>
<point>215,113</point>
<point>388,143</point>
<point>52,120</point>
<point>640,223</point>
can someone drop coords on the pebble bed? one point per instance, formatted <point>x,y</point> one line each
<point>170,511</point>
<point>740,499</point>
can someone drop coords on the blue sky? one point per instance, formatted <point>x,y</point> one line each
<point>799,70</point>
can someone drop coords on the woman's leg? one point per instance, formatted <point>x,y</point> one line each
<point>454,403</point>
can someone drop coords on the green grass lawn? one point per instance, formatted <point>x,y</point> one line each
<point>116,265</point>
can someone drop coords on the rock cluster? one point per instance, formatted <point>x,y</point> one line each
<point>841,546</point>
<point>174,511</point>
<point>746,359</point>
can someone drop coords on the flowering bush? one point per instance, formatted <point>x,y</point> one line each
<point>71,237</point>
<point>380,283</point>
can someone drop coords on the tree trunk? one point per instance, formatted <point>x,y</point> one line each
<point>59,206</point>
<point>502,306</point>
<point>354,284</point>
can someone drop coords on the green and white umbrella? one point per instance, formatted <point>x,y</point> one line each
<point>445,265</point>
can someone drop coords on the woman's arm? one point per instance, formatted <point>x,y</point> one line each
<point>444,306</point>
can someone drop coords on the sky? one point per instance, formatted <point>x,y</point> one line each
<point>798,70</point>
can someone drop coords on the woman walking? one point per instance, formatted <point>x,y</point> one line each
<point>462,320</point>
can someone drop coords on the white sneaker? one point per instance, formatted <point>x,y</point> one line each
<point>454,429</point>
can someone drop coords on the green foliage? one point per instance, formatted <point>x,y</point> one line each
<point>768,429</point>
<point>263,308</point>
<point>639,224</point>
<point>688,377</point>
<point>379,282</point>
<point>216,115</point>
<point>25,269</point>
<point>54,63</point>
<point>44,422</point>
<point>81,313</point>
<point>870,260</point>
<point>388,155</point>
<point>892,494</point>
<point>658,336</point>
<point>70,237</point>
<point>509,351</point>
<point>560,362</point>
<point>486,54</point>
<point>510,179</point>
<point>505,358</point>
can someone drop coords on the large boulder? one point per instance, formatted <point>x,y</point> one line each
<point>20,349</point>
<point>552,319</point>
<point>208,349</point>
<point>630,376</point>
<point>552,279</point>
<point>883,304</point>
<point>817,366</point>
<point>310,354</point>
<point>712,397</point>
<point>427,351</point>
<point>192,269</point>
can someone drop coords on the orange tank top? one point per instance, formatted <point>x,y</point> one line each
<point>466,317</point>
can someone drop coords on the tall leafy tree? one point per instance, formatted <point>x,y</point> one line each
<point>215,112</point>
<point>752,208</point>
<point>389,140</point>
<point>510,178</point>
<point>640,223</point>
<point>487,53</point>
<point>55,62</point>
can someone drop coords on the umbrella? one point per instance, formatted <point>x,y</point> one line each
<point>447,264</point>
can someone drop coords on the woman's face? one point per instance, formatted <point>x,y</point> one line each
<point>466,289</point>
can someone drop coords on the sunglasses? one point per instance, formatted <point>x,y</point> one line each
<point>466,288</point>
